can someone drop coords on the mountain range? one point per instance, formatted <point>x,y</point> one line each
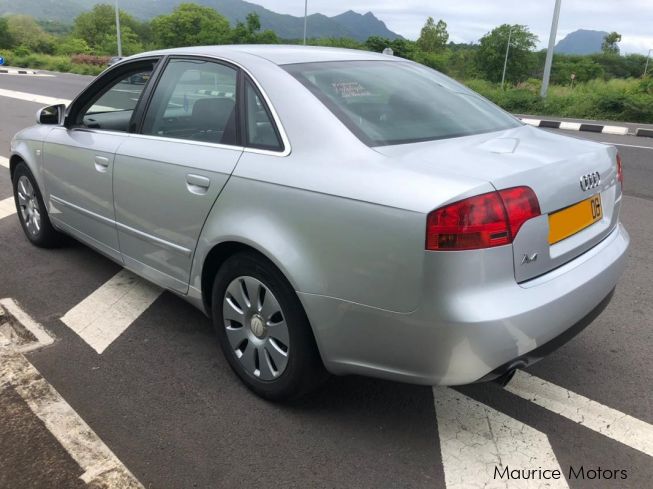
<point>348,24</point>
<point>581,42</point>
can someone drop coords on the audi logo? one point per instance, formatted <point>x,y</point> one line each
<point>590,181</point>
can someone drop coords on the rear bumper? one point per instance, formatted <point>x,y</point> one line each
<point>467,327</point>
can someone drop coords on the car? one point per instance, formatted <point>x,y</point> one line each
<point>114,60</point>
<point>332,211</point>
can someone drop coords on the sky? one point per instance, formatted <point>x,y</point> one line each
<point>468,20</point>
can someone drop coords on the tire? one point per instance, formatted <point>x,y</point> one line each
<point>32,213</point>
<point>251,303</point>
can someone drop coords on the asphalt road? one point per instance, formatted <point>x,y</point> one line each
<point>163,399</point>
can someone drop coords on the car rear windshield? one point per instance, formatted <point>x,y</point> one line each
<point>397,102</point>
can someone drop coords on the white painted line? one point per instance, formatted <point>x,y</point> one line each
<point>7,207</point>
<point>570,126</point>
<point>15,73</point>
<point>628,145</point>
<point>609,422</point>
<point>105,314</point>
<point>477,441</point>
<point>619,131</point>
<point>4,161</point>
<point>31,97</point>
<point>100,465</point>
<point>531,122</point>
<point>43,338</point>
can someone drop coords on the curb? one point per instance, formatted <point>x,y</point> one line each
<point>5,71</point>
<point>583,126</point>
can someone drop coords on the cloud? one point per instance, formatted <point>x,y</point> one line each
<point>468,20</point>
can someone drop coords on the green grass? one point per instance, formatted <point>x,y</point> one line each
<point>39,61</point>
<point>629,100</point>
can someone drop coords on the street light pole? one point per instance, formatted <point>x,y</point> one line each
<point>118,30</point>
<point>305,19</point>
<point>549,51</point>
<point>505,62</point>
<point>648,57</point>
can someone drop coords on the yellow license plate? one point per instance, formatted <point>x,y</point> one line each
<point>575,218</point>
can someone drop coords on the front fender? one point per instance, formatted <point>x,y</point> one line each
<point>27,146</point>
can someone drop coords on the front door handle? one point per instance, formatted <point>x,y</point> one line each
<point>101,164</point>
<point>197,184</point>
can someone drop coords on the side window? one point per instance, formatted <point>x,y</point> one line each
<point>260,131</point>
<point>113,108</point>
<point>194,100</point>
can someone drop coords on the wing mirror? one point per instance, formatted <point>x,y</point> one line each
<point>51,115</point>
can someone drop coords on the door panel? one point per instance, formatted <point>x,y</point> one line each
<point>163,191</point>
<point>78,170</point>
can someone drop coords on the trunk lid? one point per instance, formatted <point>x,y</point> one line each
<point>552,165</point>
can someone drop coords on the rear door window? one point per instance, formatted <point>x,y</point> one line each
<point>195,100</point>
<point>260,132</point>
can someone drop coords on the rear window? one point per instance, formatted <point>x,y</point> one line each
<point>395,102</point>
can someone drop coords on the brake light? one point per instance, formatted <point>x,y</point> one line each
<point>620,170</point>
<point>482,221</point>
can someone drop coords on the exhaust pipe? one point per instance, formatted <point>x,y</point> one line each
<point>506,377</point>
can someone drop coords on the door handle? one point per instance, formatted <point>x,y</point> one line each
<point>197,184</point>
<point>101,164</point>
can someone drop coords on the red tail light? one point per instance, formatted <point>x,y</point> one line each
<point>482,221</point>
<point>620,170</point>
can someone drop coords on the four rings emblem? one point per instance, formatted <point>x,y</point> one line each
<point>590,181</point>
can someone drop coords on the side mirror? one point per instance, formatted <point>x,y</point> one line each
<point>51,115</point>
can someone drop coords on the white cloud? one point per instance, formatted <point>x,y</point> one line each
<point>468,20</point>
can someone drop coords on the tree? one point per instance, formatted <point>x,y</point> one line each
<point>6,39</point>
<point>610,43</point>
<point>250,32</point>
<point>492,51</point>
<point>98,26</point>
<point>190,25</point>
<point>26,32</point>
<point>433,37</point>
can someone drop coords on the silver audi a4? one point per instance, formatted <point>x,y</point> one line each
<point>332,211</point>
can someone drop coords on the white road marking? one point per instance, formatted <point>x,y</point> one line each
<point>604,420</point>
<point>475,439</point>
<point>4,161</point>
<point>105,314</point>
<point>7,207</point>
<point>15,73</point>
<point>628,145</point>
<point>100,465</point>
<point>31,97</point>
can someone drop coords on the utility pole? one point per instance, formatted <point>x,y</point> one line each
<point>648,57</point>
<point>549,51</point>
<point>505,62</point>
<point>118,30</point>
<point>305,19</point>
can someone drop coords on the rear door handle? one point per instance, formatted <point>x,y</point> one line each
<point>197,184</point>
<point>101,164</point>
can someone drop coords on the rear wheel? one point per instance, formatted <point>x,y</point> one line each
<point>32,213</point>
<point>263,329</point>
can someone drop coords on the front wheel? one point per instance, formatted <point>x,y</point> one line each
<point>263,329</point>
<point>31,210</point>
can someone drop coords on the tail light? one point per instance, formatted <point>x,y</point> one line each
<point>482,221</point>
<point>620,170</point>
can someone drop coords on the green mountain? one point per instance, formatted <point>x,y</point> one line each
<point>581,42</point>
<point>348,24</point>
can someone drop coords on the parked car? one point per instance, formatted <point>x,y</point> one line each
<point>332,211</point>
<point>115,59</point>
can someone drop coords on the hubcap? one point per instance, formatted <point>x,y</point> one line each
<point>28,205</point>
<point>256,328</point>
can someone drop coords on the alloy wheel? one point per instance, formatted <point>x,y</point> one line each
<point>29,205</point>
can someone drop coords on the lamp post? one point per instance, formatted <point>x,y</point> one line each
<point>648,57</point>
<point>505,61</point>
<point>118,30</point>
<point>549,51</point>
<point>305,19</point>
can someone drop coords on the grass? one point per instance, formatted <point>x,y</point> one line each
<point>628,100</point>
<point>49,62</point>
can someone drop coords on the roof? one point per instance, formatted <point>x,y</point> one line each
<point>279,54</point>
